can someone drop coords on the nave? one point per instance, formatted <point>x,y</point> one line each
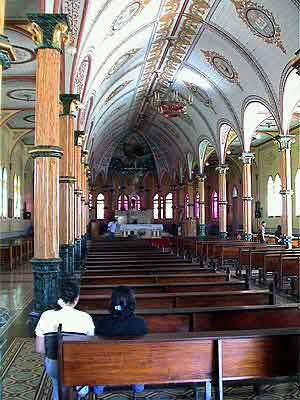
<point>185,295</point>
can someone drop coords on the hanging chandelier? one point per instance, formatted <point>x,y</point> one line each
<point>170,104</point>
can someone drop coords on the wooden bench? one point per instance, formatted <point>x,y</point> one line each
<point>153,277</point>
<point>202,319</point>
<point>210,357</point>
<point>183,299</point>
<point>169,288</point>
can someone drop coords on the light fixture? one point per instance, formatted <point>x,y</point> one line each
<point>170,104</point>
<point>207,164</point>
<point>228,152</point>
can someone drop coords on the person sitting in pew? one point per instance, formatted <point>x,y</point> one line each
<point>72,321</point>
<point>122,322</point>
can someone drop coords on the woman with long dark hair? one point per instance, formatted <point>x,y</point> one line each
<point>121,321</point>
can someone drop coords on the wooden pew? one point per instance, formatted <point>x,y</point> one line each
<point>209,357</point>
<point>217,318</point>
<point>168,288</point>
<point>147,271</point>
<point>183,299</point>
<point>140,278</point>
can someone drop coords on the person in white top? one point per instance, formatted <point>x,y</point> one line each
<point>72,321</point>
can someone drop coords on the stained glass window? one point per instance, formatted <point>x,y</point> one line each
<point>169,206</point>
<point>197,205</point>
<point>100,206</point>
<point>214,205</point>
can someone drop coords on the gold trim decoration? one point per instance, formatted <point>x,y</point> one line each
<point>222,66</point>
<point>260,21</point>
<point>117,90</point>
<point>61,34</point>
<point>36,33</point>
<point>121,61</point>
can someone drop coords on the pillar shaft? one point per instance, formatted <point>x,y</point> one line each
<point>222,201</point>
<point>247,194</point>
<point>48,33</point>
<point>285,143</point>
<point>201,191</point>
<point>190,191</point>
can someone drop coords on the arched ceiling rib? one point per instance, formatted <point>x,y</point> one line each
<point>226,52</point>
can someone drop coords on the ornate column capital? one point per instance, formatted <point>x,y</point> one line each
<point>222,169</point>
<point>78,138</point>
<point>285,141</point>
<point>7,54</point>
<point>70,103</point>
<point>84,154</point>
<point>247,158</point>
<point>201,177</point>
<point>49,31</point>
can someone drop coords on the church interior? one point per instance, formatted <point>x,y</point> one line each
<point>150,147</point>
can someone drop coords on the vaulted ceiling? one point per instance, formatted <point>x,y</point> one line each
<point>225,52</point>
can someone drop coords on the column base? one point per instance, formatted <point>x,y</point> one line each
<point>64,255</point>
<point>46,285</point>
<point>248,237</point>
<point>77,258</point>
<point>202,231</point>
<point>71,255</point>
<point>83,246</point>
<point>223,235</point>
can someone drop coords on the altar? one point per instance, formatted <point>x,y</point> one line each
<point>144,231</point>
<point>134,217</point>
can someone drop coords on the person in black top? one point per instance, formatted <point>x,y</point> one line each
<point>121,322</point>
<point>278,235</point>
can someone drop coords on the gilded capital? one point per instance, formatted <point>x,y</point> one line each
<point>70,103</point>
<point>285,141</point>
<point>49,31</point>
<point>201,177</point>
<point>78,138</point>
<point>247,158</point>
<point>222,169</point>
<point>7,54</point>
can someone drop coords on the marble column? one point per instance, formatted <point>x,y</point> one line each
<point>201,190</point>
<point>247,198</point>
<point>79,136</point>
<point>49,32</point>
<point>83,203</point>
<point>66,182</point>
<point>222,170</point>
<point>285,144</point>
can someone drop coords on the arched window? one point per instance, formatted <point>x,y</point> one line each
<point>270,194</point>
<point>135,203</point>
<point>235,192</point>
<point>156,206</point>
<point>100,206</point>
<point>90,201</point>
<point>17,196</point>
<point>123,202</point>
<point>186,205</point>
<point>297,193</point>
<point>4,193</point>
<point>197,205</point>
<point>214,205</point>
<point>169,206</point>
<point>277,197</point>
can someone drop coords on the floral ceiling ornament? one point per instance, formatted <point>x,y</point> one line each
<point>117,90</point>
<point>72,8</point>
<point>81,77</point>
<point>127,14</point>
<point>222,65</point>
<point>260,21</point>
<point>200,94</point>
<point>121,61</point>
